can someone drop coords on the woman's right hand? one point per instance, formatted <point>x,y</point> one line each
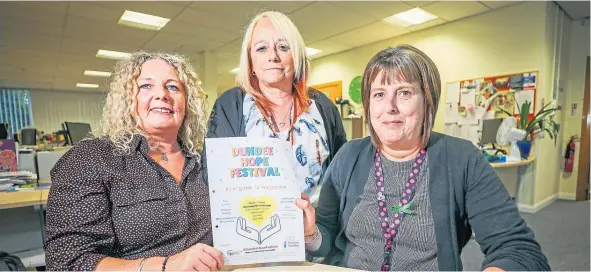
<point>200,257</point>
<point>309,214</point>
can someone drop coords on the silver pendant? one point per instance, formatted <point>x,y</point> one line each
<point>164,157</point>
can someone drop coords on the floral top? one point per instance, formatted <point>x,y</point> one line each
<point>310,147</point>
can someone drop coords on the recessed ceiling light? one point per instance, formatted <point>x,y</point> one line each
<point>107,54</point>
<point>142,20</point>
<point>312,51</point>
<point>235,70</point>
<point>97,73</point>
<point>415,16</point>
<point>86,85</point>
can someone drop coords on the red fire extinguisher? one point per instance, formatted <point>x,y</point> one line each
<point>569,156</point>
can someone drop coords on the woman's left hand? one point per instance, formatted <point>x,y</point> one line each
<point>309,214</point>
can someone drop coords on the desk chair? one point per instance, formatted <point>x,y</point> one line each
<point>4,131</point>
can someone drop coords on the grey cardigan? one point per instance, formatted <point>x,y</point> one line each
<point>465,194</point>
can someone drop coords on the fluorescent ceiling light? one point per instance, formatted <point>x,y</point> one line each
<point>235,70</point>
<point>97,73</point>
<point>415,16</point>
<point>85,85</point>
<point>142,20</point>
<point>107,54</point>
<point>312,51</point>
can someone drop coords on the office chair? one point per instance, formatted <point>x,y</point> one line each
<point>4,131</point>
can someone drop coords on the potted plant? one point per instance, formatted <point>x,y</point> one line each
<point>541,123</point>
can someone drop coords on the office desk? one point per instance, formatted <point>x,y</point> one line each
<point>10,200</point>
<point>512,164</point>
<point>13,237</point>
<point>511,174</point>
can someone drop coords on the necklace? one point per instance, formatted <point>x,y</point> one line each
<point>163,155</point>
<point>282,124</point>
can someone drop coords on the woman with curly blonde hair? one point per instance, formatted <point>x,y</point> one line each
<point>133,196</point>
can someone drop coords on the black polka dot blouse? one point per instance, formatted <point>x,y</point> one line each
<point>106,205</point>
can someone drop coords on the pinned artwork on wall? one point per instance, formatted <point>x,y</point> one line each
<point>490,97</point>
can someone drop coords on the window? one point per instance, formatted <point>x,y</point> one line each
<point>15,109</point>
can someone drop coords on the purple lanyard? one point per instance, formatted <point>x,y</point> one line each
<point>390,229</point>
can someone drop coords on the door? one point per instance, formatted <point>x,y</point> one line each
<point>583,176</point>
<point>331,89</point>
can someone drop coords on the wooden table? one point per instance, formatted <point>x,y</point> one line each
<point>10,200</point>
<point>512,164</point>
<point>291,266</point>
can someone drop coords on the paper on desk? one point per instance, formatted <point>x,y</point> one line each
<point>452,94</point>
<point>451,113</point>
<point>521,97</point>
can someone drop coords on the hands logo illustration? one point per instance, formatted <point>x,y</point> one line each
<point>255,235</point>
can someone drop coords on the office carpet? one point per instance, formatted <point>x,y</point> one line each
<point>562,229</point>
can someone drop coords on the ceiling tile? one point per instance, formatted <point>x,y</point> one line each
<point>162,42</point>
<point>450,11</point>
<point>428,24</point>
<point>38,42</point>
<point>60,7</point>
<point>106,33</point>
<point>498,4</point>
<point>368,34</point>
<point>195,17</point>
<point>419,3</point>
<point>8,27</point>
<point>328,47</point>
<point>375,9</point>
<point>315,25</point>
<point>86,62</point>
<point>248,9</point>
<point>162,9</point>
<point>576,9</point>
<point>27,58</point>
<point>18,13</point>
<point>202,32</point>
<point>91,10</point>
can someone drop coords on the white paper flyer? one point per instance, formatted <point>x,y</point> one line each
<point>252,192</point>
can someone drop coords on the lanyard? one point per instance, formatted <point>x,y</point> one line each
<point>390,229</point>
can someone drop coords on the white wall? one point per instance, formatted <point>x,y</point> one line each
<point>574,89</point>
<point>51,108</point>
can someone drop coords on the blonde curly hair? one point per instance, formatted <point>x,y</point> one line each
<point>120,120</point>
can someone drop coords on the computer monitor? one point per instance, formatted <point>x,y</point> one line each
<point>77,131</point>
<point>489,130</point>
<point>28,136</point>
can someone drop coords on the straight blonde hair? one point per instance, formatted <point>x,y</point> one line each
<point>249,83</point>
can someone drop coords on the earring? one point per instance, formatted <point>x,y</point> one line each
<point>253,73</point>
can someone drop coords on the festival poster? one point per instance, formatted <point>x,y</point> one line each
<point>252,188</point>
<point>8,156</point>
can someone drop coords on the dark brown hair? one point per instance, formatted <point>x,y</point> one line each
<point>407,63</point>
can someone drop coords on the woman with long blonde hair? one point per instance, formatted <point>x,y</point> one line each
<point>274,101</point>
<point>133,197</point>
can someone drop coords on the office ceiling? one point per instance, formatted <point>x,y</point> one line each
<point>577,10</point>
<point>48,45</point>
